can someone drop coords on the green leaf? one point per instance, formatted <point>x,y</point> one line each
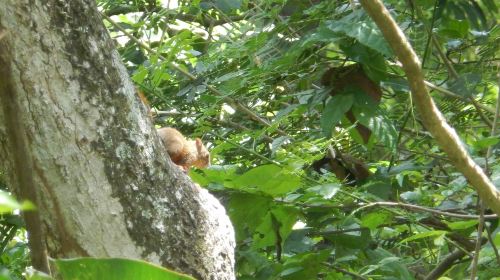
<point>381,127</point>
<point>228,5</point>
<point>486,142</point>
<point>247,212</point>
<point>462,225</point>
<point>411,196</point>
<point>280,219</point>
<point>327,191</point>
<point>359,26</point>
<point>352,240</point>
<point>454,28</point>
<point>387,264</point>
<point>269,179</point>
<point>375,219</point>
<point>427,234</point>
<point>304,266</point>
<point>335,110</point>
<point>113,268</point>
<point>381,188</point>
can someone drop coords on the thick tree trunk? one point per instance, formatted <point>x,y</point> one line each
<point>76,140</point>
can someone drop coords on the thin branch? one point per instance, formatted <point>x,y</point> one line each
<point>488,155</point>
<point>480,228</point>
<point>446,264</point>
<point>425,209</point>
<point>432,118</point>
<point>495,249</point>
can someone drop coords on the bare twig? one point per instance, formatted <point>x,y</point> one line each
<point>480,227</point>
<point>488,155</point>
<point>425,209</point>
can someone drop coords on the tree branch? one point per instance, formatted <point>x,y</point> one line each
<point>448,262</point>
<point>425,209</point>
<point>432,118</point>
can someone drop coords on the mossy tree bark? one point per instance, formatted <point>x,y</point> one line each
<point>76,140</point>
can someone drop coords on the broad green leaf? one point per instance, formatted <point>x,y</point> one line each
<point>113,269</point>
<point>462,225</point>
<point>279,219</point>
<point>411,196</point>
<point>484,143</point>
<point>247,212</point>
<point>381,127</point>
<point>374,219</point>
<point>140,74</point>
<point>427,234</point>
<point>359,26</point>
<point>327,191</point>
<point>388,264</point>
<point>382,189</point>
<point>221,174</point>
<point>298,242</point>
<point>374,63</point>
<point>269,179</point>
<point>305,265</point>
<point>454,28</point>
<point>334,111</point>
<point>228,5</point>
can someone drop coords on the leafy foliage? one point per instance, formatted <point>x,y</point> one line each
<point>257,95</point>
<point>301,163</point>
<point>14,253</point>
<point>111,268</point>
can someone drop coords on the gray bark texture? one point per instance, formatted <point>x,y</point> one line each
<point>76,140</point>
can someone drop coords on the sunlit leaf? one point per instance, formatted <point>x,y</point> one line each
<point>270,179</point>
<point>113,268</point>
<point>334,111</point>
<point>427,234</point>
<point>360,27</point>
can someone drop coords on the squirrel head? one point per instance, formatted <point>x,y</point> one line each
<point>203,157</point>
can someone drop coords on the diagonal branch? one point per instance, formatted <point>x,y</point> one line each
<point>432,118</point>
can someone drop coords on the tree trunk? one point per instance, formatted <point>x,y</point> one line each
<point>76,141</point>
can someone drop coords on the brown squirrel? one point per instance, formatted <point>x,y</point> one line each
<point>184,152</point>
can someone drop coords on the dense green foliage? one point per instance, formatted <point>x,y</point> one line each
<point>251,78</point>
<point>257,96</point>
